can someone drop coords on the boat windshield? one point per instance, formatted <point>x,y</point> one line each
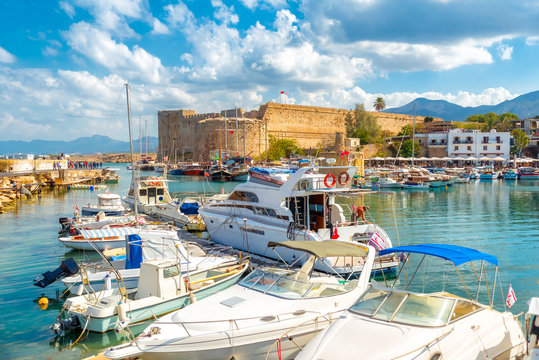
<point>286,286</point>
<point>407,308</point>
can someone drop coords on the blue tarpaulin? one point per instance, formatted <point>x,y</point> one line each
<point>134,252</point>
<point>456,254</point>
<point>189,208</point>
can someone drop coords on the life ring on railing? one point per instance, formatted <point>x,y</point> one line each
<point>343,178</point>
<point>333,180</point>
<point>155,183</point>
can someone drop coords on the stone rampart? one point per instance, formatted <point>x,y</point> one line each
<point>310,126</point>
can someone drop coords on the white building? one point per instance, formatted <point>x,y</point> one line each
<point>461,142</point>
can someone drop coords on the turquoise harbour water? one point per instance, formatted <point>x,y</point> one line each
<point>497,217</point>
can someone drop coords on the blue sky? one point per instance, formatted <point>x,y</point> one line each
<point>63,64</point>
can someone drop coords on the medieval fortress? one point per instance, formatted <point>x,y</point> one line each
<point>239,132</point>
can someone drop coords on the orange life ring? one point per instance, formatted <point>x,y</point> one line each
<point>346,178</point>
<point>155,183</point>
<point>333,180</point>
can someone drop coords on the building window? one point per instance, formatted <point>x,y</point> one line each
<point>456,147</point>
<point>484,148</point>
<point>485,139</point>
<point>457,140</point>
<point>469,148</point>
<point>498,147</point>
<point>443,141</point>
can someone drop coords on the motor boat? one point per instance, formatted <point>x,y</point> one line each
<point>109,204</point>
<point>162,288</point>
<point>404,321</point>
<point>270,313</point>
<point>295,205</point>
<point>153,198</point>
<point>141,247</point>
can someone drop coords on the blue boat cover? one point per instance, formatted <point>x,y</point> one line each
<point>189,208</point>
<point>134,252</point>
<point>456,254</point>
<point>269,171</point>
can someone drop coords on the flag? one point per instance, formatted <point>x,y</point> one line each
<point>231,131</point>
<point>141,220</point>
<point>344,153</point>
<point>166,158</point>
<point>76,208</point>
<point>107,190</point>
<point>511,297</point>
<point>403,258</point>
<point>206,173</point>
<point>282,92</point>
<point>335,235</point>
<point>377,242</point>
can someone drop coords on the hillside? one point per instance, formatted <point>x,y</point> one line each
<point>84,145</point>
<point>523,106</point>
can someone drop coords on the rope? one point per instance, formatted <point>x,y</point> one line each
<point>427,345</point>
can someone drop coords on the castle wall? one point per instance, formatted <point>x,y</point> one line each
<point>309,126</point>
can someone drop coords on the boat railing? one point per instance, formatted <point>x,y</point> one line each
<point>234,322</point>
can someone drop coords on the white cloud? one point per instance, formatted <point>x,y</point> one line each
<point>49,51</point>
<point>179,15</point>
<point>505,51</point>
<point>253,4</point>
<point>6,57</point>
<point>68,8</point>
<point>159,27</point>
<point>532,40</point>
<point>101,48</point>
<point>224,13</point>
<point>12,127</point>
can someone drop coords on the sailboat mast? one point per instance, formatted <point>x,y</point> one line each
<point>413,136</point>
<point>226,136</point>
<point>133,168</point>
<point>237,135</point>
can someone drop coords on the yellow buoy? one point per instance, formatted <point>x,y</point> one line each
<point>43,303</point>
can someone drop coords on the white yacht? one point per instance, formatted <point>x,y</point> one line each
<point>391,323</point>
<point>271,313</point>
<point>300,205</point>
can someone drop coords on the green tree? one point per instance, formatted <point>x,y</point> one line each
<point>350,124</point>
<point>405,130</point>
<point>428,119</point>
<point>364,125</point>
<point>406,148</point>
<point>379,104</point>
<point>282,148</point>
<point>521,140</point>
<point>505,122</point>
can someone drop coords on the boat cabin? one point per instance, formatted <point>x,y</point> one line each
<point>161,278</point>
<point>152,191</point>
<point>109,200</point>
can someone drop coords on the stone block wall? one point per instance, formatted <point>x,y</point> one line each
<point>309,126</point>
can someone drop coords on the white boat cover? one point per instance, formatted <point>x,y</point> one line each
<point>533,306</point>
<point>111,232</point>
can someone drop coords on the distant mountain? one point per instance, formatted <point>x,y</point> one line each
<point>84,145</point>
<point>523,106</point>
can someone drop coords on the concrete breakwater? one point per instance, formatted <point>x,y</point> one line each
<point>22,186</point>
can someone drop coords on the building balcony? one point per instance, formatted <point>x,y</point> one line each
<point>462,141</point>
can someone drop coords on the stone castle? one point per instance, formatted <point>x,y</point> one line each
<point>238,131</point>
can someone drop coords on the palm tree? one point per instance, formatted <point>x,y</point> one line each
<point>379,104</point>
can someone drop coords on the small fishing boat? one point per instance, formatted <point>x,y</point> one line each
<point>414,185</point>
<point>162,288</point>
<point>510,175</point>
<point>270,313</point>
<point>112,175</point>
<point>108,238</point>
<point>487,173</point>
<point>425,325</point>
<point>109,204</point>
<point>528,173</point>
<point>150,246</point>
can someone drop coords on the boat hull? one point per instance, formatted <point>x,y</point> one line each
<point>137,315</point>
<point>86,244</point>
